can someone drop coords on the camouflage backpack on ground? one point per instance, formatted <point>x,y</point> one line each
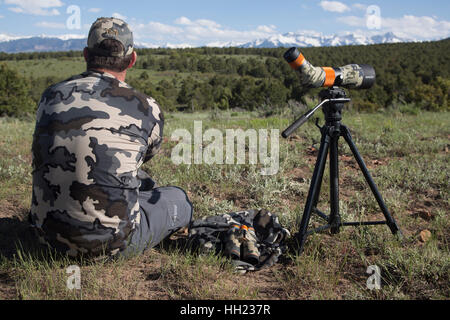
<point>253,239</point>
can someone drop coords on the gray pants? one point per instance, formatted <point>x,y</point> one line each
<point>163,212</point>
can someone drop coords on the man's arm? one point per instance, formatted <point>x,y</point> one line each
<point>155,140</point>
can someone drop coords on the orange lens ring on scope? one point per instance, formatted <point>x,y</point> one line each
<point>330,77</point>
<point>297,62</point>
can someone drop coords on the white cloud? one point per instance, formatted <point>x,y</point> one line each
<point>183,21</point>
<point>119,16</point>
<point>408,26</point>
<point>267,29</point>
<point>360,6</point>
<point>208,24</point>
<point>159,29</point>
<point>94,10</point>
<point>419,27</point>
<point>197,32</point>
<point>334,6</point>
<point>35,7</point>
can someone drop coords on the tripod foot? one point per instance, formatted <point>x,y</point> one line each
<point>399,236</point>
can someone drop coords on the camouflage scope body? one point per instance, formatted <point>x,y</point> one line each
<point>352,76</point>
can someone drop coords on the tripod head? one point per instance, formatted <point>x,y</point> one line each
<point>332,101</point>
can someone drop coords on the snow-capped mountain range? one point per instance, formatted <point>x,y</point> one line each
<point>292,39</point>
<point>13,44</point>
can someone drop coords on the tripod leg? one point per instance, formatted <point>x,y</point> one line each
<point>314,188</point>
<point>390,220</point>
<point>319,187</point>
<point>335,218</point>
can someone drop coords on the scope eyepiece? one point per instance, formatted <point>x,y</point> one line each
<point>353,76</point>
<point>291,55</point>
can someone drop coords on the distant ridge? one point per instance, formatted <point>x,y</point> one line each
<point>10,44</point>
<point>41,44</point>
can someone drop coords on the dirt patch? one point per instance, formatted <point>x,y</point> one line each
<point>7,287</point>
<point>300,174</point>
<point>147,273</point>
<point>9,210</point>
<point>266,283</point>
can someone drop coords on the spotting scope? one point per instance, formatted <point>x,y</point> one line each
<point>352,76</point>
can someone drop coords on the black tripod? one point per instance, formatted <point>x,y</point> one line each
<point>333,100</point>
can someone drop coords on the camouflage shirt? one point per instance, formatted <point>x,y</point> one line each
<point>93,132</point>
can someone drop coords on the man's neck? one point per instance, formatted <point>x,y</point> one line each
<point>118,75</point>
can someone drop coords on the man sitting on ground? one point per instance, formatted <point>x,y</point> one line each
<point>92,135</point>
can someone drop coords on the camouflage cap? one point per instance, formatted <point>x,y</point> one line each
<point>110,28</point>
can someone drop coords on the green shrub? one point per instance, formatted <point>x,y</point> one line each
<point>366,106</point>
<point>15,100</point>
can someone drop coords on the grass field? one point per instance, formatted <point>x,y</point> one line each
<point>408,156</point>
<point>64,68</point>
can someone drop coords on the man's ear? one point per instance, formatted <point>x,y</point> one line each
<point>133,60</point>
<point>86,54</point>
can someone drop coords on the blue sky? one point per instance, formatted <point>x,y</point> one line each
<point>200,22</point>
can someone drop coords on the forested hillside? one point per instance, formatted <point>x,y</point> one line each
<point>413,74</point>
